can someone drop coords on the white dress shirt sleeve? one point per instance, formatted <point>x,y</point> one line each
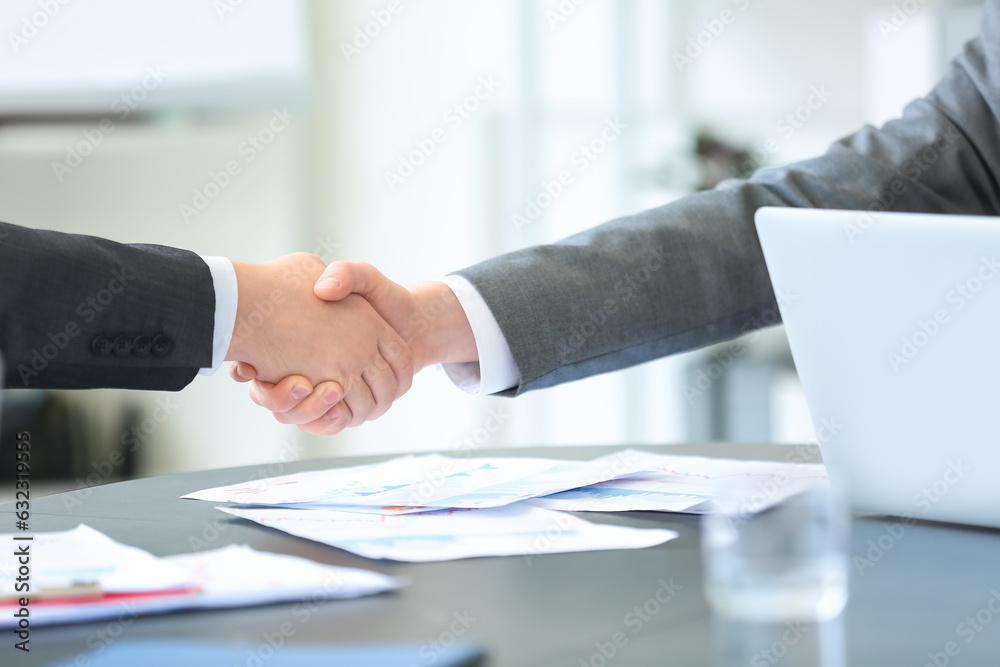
<point>226,299</point>
<point>496,370</point>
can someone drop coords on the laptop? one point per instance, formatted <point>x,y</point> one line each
<point>894,324</point>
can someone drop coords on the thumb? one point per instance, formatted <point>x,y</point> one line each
<point>242,372</point>
<point>390,300</point>
<point>336,282</point>
<point>343,278</point>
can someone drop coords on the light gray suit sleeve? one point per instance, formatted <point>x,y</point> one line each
<point>691,273</point>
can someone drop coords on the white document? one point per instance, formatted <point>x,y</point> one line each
<point>238,576</point>
<point>233,576</point>
<point>84,556</point>
<point>434,481</point>
<point>514,530</point>
<point>674,483</point>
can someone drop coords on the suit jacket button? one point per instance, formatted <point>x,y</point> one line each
<point>162,345</point>
<point>101,345</point>
<point>122,345</point>
<point>141,346</point>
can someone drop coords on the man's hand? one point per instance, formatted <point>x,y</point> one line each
<point>283,330</point>
<point>428,316</point>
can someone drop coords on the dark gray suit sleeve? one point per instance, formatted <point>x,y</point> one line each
<point>691,273</point>
<point>78,312</point>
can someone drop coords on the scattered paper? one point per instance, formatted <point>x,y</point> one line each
<point>411,483</point>
<point>514,530</point>
<point>239,576</point>
<point>233,576</point>
<point>60,561</point>
<point>624,495</point>
<point>673,483</point>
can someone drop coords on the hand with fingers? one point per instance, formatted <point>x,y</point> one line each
<point>427,316</point>
<point>339,363</point>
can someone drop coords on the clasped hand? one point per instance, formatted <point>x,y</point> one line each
<point>338,354</point>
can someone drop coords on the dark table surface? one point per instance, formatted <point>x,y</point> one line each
<point>548,611</point>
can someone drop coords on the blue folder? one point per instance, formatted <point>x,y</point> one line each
<point>158,653</point>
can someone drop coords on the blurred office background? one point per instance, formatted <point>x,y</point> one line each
<point>117,118</point>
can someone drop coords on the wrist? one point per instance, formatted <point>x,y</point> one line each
<point>248,281</point>
<point>441,333</point>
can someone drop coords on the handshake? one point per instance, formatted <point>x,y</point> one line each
<point>330,347</point>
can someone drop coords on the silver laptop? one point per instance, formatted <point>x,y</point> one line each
<point>894,325</point>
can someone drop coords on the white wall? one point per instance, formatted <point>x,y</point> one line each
<point>130,189</point>
<point>320,186</point>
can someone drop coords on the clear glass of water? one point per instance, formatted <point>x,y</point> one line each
<point>777,580</point>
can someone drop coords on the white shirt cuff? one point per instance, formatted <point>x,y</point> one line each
<point>226,299</point>
<point>496,370</point>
